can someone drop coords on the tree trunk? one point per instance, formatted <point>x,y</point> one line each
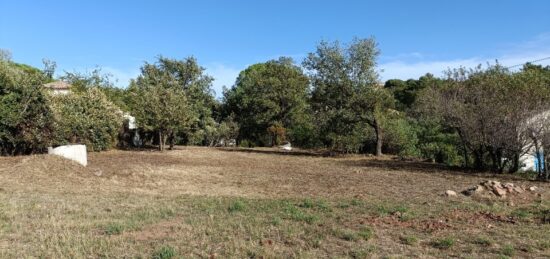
<point>161,142</point>
<point>515,164</point>
<point>478,155</point>
<point>379,137</point>
<point>171,139</point>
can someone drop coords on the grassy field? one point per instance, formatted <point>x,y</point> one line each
<point>215,203</point>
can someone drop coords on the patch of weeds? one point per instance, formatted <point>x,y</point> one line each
<point>406,216</point>
<point>113,229</point>
<point>316,241</point>
<point>165,252</point>
<point>307,203</point>
<point>444,243</point>
<point>343,205</point>
<point>298,215</point>
<point>365,233</point>
<point>543,245</point>
<point>388,210</point>
<point>236,206</point>
<point>508,250</point>
<point>521,213</point>
<point>276,221</point>
<point>408,240</point>
<point>362,253</point>
<point>167,213</point>
<point>356,202</point>
<point>311,204</point>
<point>482,241</point>
<point>348,235</point>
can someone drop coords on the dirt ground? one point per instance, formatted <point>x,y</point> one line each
<point>148,200</point>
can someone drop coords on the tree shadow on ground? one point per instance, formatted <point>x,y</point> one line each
<point>312,153</point>
<point>397,164</point>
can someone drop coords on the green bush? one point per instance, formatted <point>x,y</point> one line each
<point>26,119</point>
<point>87,117</point>
<point>400,138</point>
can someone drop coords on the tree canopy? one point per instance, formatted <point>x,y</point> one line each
<point>270,97</point>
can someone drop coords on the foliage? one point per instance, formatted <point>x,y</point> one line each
<point>267,96</point>
<point>173,98</point>
<point>26,120</point>
<point>80,82</point>
<point>346,92</point>
<point>87,117</point>
<point>488,109</point>
<point>401,137</point>
<point>406,92</point>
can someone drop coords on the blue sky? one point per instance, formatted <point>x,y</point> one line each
<point>415,37</point>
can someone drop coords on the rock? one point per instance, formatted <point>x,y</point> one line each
<point>473,190</point>
<point>286,146</point>
<point>519,189</point>
<point>450,193</point>
<point>533,188</point>
<point>499,191</point>
<point>76,153</point>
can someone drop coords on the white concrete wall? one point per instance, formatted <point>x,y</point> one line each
<point>529,162</point>
<point>73,152</point>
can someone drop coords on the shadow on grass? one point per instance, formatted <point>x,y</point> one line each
<point>427,167</point>
<point>312,153</point>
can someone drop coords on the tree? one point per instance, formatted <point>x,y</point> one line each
<point>346,90</point>
<point>26,120</point>
<point>87,117</point>
<point>406,92</point>
<point>488,109</point>
<point>160,103</point>
<point>5,55</point>
<point>81,82</point>
<point>268,95</point>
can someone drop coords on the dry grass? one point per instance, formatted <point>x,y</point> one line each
<point>202,202</point>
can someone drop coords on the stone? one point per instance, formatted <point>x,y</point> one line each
<point>519,189</point>
<point>473,190</point>
<point>450,193</point>
<point>76,153</point>
<point>499,191</point>
<point>533,188</point>
<point>509,185</point>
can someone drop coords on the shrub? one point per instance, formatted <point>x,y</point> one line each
<point>88,118</point>
<point>26,119</point>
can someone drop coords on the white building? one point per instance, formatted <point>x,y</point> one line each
<point>534,129</point>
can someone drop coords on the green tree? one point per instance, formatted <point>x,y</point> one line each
<point>87,117</point>
<point>346,90</point>
<point>80,82</point>
<point>160,103</point>
<point>26,120</point>
<point>269,95</point>
<point>406,92</point>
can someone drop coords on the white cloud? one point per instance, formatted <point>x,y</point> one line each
<point>513,55</point>
<point>224,75</point>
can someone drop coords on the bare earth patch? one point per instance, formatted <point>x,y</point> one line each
<point>208,202</point>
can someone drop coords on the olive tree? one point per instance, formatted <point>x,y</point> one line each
<point>159,103</point>
<point>346,90</point>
